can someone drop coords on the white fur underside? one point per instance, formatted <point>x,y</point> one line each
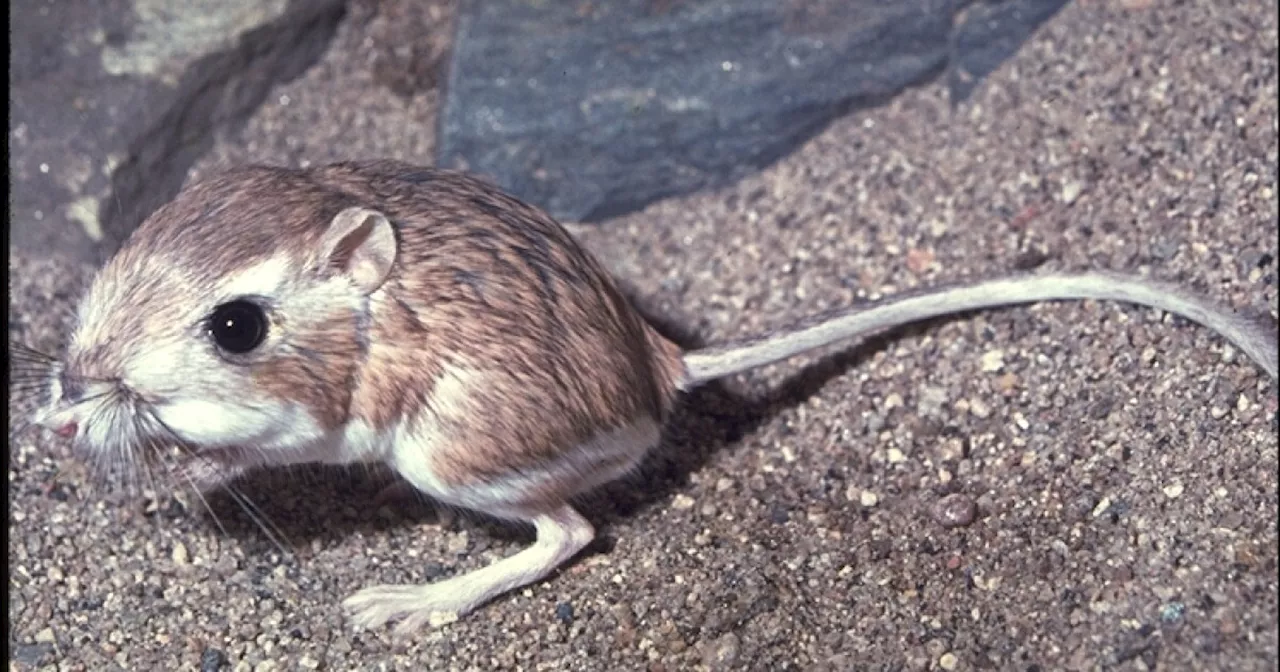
<point>603,458</point>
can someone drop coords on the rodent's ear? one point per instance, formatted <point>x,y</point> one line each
<point>360,243</point>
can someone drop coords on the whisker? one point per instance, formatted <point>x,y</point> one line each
<point>23,352</point>
<point>29,387</point>
<point>172,468</point>
<point>154,452</point>
<point>272,531</point>
<point>18,360</point>
<point>259,518</point>
<point>159,495</point>
<point>217,521</point>
<point>146,453</point>
<point>107,402</point>
<point>32,365</point>
<point>26,359</point>
<point>31,376</point>
<point>159,443</point>
<point>119,461</point>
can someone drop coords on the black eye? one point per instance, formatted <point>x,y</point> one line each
<point>238,326</point>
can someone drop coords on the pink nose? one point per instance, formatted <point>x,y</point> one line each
<point>67,431</point>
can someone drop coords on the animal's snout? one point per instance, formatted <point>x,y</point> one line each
<point>67,430</point>
<point>72,387</point>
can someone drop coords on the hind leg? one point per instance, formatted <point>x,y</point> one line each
<point>560,535</point>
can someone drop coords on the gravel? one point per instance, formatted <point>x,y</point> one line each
<point>1123,464</point>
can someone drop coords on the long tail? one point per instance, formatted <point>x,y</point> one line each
<point>1256,337</point>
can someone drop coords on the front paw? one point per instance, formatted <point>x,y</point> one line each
<point>414,606</point>
<point>204,472</point>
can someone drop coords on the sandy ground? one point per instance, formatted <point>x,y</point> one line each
<point>812,516</point>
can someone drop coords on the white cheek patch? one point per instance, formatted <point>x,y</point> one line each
<point>264,279</point>
<point>272,426</point>
<point>356,442</point>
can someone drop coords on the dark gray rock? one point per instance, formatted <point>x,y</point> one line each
<point>589,109</point>
<point>31,655</point>
<point>112,101</point>
<point>595,109</point>
<point>988,34</point>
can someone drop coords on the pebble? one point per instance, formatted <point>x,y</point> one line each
<point>894,456</point>
<point>457,543</point>
<point>212,660</point>
<point>682,502</point>
<point>894,400</point>
<point>45,636</point>
<point>1173,490</point>
<point>868,499</point>
<point>948,661</point>
<point>439,619</point>
<point>1172,612</point>
<point>979,408</point>
<point>778,515</point>
<point>930,399</point>
<point>564,613</point>
<point>1101,507</point>
<point>919,260</point>
<point>1071,191</point>
<point>992,361</point>
<point>180,555</point>
<point>723,653</point>
<point>1245,556</point>
<point>955,510</point>
<point>1007,383</point>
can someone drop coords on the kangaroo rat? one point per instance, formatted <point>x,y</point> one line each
<point>377,311</point>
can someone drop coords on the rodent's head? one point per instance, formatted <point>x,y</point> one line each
<point>232,319</point>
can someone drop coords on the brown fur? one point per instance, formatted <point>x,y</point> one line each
<point>482,283</point>
<point>316,366</point>
<point>493,286</point>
